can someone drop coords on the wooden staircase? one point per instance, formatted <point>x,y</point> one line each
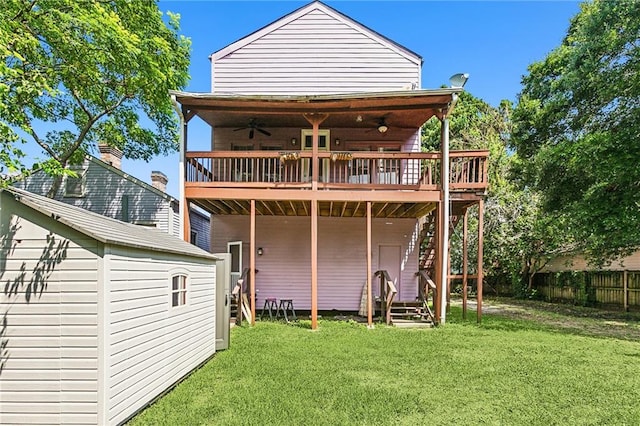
<point>427,239</point>
<point>410,315</point>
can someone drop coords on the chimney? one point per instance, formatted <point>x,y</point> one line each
<point>159,181</point>
<point>110,155</point>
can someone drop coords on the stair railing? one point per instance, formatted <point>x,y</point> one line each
<point>388,292</point>
<point>426,286</point>
<point>241,295</point>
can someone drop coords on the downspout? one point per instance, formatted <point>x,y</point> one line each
<point>444,244</point>
<point>181,176</point>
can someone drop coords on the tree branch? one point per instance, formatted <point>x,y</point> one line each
<point>89,125</point>
<point>27,10</point>
<point>39,141</point>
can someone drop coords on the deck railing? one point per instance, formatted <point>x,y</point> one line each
<point>336,169</point>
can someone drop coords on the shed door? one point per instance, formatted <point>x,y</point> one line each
<point>223,300</point>
<point>389,261</point>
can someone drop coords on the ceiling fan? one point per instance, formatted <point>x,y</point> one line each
<point>253,126</point>
<point>381,125</point>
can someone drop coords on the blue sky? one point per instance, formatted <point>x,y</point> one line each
<point>493,41</point>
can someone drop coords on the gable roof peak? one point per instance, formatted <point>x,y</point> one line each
<point>301,11</point>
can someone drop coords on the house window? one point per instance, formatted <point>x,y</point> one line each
<point>178,290</point>
<point>75,185</point>
<point>194,238</point>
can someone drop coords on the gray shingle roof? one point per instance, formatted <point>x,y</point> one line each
<point>105,229</point>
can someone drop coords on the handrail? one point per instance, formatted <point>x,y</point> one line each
<point>426,286</point>
<point>336,169</point>
<point>388,292</point>
<point>240,291</point>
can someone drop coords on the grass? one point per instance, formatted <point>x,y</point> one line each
<point>505,371</point>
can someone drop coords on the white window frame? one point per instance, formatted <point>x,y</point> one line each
<point>180,290</point>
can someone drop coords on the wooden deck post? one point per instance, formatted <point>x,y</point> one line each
<point>438,264</point>
<point>252,262</point>
<point>465,269</point>
<point>479,272</point>
<point>315,120</point>
<point>185,225</point>
<point>314,264</point>
<point>448,283</point>
<point>369,264</point>
<point>625,285</point>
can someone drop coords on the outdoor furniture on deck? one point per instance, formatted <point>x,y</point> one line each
<point>285,306</point>
<point>271,306</point>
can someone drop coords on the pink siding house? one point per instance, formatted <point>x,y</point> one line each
<point>315,179</point>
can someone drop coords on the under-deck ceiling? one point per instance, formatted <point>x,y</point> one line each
<point>325,208</point>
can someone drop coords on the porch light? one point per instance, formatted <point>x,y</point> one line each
<point>458,80</point>
<point>337,141</point>
<point>260,251</point>
<point>382,128</point>
<point>293,141</point>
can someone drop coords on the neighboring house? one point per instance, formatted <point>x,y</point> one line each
<point>102,187</point>
<point>571,278</point>
<point>97,317</point>
<point>316,177</point>
<point>578,262</point>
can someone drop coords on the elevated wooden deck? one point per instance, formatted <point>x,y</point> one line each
<point>401,184</point>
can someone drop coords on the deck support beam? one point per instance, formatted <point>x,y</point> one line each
<point>465,262</point>
<point>480,255</point>
<point>252,262</point>
<point>183,210</point>
<point>369,266</point>
<point>314,264</point>
<point>438,263</point>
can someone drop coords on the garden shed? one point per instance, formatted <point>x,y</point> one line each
<point>97,317</point>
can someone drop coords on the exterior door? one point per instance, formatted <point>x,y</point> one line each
<point>323,145</point>
<point>235,249</point>
<point>389,260</point>
<point>223,300</point>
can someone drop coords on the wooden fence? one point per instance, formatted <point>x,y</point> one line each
<point>619,289</point>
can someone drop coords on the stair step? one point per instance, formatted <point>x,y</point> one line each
<point>412,324</point>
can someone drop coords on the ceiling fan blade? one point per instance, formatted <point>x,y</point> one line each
<point>251,134</point>
<point>264,132</point>
<point>240,128</point>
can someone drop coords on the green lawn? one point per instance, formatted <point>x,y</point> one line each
<point>506,371</point>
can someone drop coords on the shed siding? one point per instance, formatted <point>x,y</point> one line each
<point>316,53</point>
<point>104,195</point>
<point>284,268</point>
<point>48,320</point>
<point>152,345</point>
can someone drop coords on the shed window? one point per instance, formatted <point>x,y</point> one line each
<point>75,186</point>
<point>178,290</point>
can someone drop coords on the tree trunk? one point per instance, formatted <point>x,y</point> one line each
<point>55,186</point>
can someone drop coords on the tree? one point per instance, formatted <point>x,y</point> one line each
<point>577,129</point>
<point>518,239</point>
<point>77,72</point>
